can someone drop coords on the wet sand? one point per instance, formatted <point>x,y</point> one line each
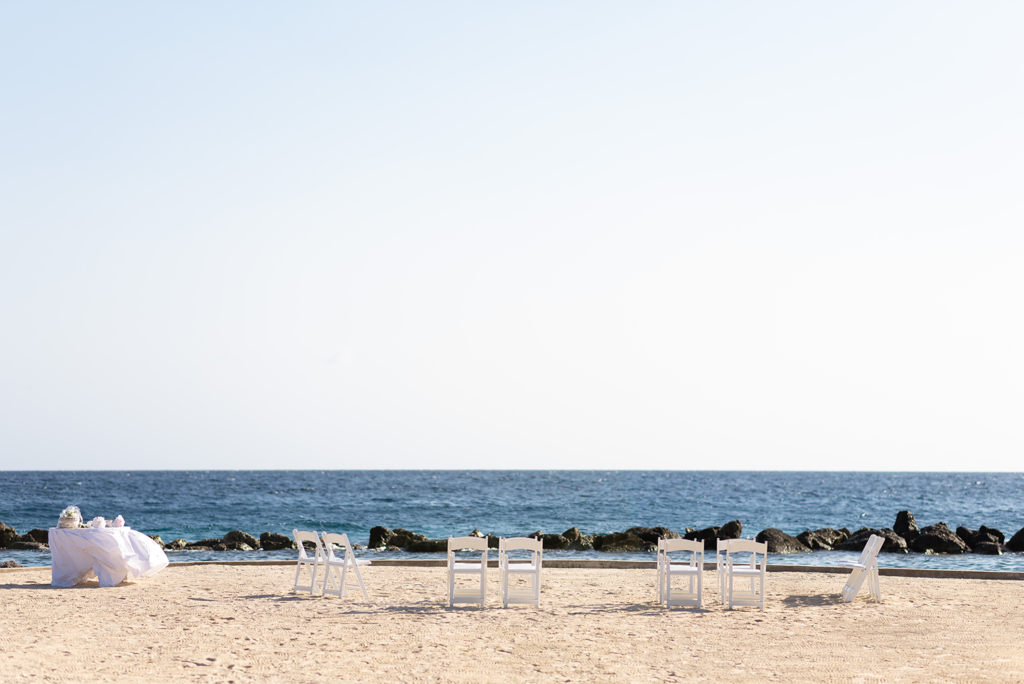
<point>243,624</point>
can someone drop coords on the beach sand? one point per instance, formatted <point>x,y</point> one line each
<point>242,624</point>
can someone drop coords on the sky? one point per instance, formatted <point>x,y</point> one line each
<point>666,235</point>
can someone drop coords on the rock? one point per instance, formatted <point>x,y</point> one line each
<point>906,526</point>
<point>621,542</point>
<point>38,536</point>
<point>273,541</point>
<point>824,539</point>
<point>204,544</point>
<point>7,535</point>
<point>10,564</point>
<point>21,544</point>
<point>358,547</point>
<point>731,530</point>
<point>158,540</point>
<point>938,539</point>
<point>492,541</point>
<point>709,535</point>
<point>379,537</point>
<point>780,542</point>
<point>1016,542</point>
<point>577,540</point>
<point>240,537</point>
<point>652,534</point>
<point>235,546</point>
<point>554,542</point>
<point>988,548</point>
<point>176,545</point>
<point>476,533</point>
<point>391,548</point>
<point>427,546</point>
<point>966,534</point>
<point>402,538</point>
<point>892,542</point>
<point>980,535</point>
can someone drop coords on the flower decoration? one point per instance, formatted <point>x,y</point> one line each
<point>117,522</point>
<point>98,523</point>
<point>71,512</point>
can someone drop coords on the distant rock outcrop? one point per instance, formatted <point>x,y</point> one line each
<point>38,536</point>
<point>176,545</point>
<point>780,542</point>
<point>7,535</point>
<point>273,541</point>
<point>577,540</point>
<point>236,537</point>
<point>652,534</point>
<point>939,539</point>
<point>906,526</point>
<point>824,539</point>
<point>10,564</point>
<point>621,542</point>
<point>1016,542</point>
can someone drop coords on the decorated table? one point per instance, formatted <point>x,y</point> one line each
<point>108,553</point>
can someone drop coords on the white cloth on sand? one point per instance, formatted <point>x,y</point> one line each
<point>108,553</point>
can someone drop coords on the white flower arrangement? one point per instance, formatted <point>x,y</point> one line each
<point>71,512</point>
<point>98,522</point>
<point>117,522</point>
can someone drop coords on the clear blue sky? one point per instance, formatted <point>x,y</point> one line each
<point>534,235</point>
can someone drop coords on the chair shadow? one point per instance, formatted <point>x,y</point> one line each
<point>798,601</point>
<point>635,608</point>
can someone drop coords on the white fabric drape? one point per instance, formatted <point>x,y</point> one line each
<point>108,553</point>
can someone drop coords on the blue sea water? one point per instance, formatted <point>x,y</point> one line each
<point>202,504</point>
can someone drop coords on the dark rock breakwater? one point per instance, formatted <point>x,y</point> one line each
<point>905,536</point>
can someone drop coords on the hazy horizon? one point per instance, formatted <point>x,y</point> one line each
<point>529,236</point>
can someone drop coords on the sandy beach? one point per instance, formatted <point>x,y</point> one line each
<point>243,624</point>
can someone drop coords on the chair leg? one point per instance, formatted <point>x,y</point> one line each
<point>359,578</point>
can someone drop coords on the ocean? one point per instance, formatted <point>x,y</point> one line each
<point>203,504</point>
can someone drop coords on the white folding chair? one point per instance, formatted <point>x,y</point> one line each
<point>304,560</point>
<point>739,572</point>
<point>691,569</point>
<point>723,544</point>
<point>529,568</point>
<point>336,569</point>
<point>457,567</point>
<point>864,568</point>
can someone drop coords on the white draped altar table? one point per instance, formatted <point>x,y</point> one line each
<point>108,553</point>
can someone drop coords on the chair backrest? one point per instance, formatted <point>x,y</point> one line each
<point>670,545</point>
<point>871,549</point>
<point>474,543</point>
<point>520,544</point>
<point>723,544</point>
<point>747,546</point>
<point>311,537</point>
<point>332,538</point>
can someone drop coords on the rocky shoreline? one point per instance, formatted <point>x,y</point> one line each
<point>903,537</point>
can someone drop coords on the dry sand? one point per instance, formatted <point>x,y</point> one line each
<point>242,624</point>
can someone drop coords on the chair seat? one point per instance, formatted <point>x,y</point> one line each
<point>526,567</point>
<point>466,567</point>
<point>683,570</point>
<point>746,572</point>
<point>852,564</point>
<point>339,562</point>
